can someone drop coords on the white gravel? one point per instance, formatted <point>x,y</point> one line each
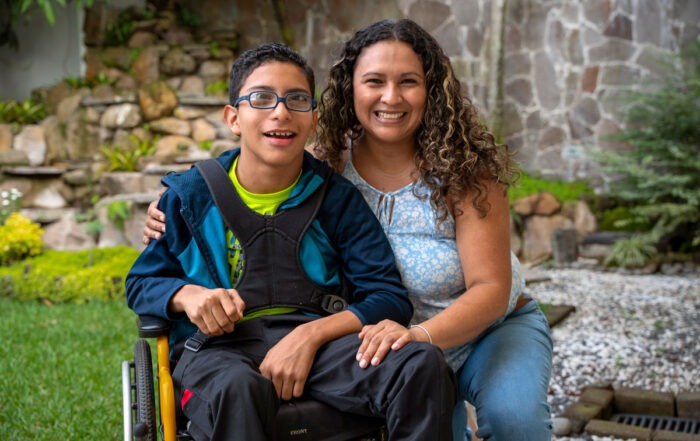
<point>628,330</point>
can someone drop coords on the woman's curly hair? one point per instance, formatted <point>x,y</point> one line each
<point>455,154</point>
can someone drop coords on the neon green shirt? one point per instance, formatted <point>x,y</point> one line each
<point>262,204</point>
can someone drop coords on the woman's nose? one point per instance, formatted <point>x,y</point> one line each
<point>392,94</point>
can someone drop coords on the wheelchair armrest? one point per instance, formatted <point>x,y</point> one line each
<point>151,326</point>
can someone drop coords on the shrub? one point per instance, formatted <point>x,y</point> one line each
<point>660,175</point>
<point>65,276</point>
<point>620,218</point>
<point>19,238</point>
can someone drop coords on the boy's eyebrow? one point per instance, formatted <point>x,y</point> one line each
<point>272,89</point>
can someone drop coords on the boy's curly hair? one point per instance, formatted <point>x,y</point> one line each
<point>455,154</point>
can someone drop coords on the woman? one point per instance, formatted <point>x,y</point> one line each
<point>395,123</point>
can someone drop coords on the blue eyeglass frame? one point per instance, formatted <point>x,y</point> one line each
<point>280,99</point>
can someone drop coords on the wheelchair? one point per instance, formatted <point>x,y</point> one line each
<point>297,420</point>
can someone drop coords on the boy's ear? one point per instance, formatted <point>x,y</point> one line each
<point>231,118</point>
<point>315,117</point>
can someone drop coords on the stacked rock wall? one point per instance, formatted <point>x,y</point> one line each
<point>546,74</point>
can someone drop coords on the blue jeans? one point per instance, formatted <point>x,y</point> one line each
<point>506,378</point>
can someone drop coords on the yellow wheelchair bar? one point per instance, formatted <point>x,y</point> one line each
<point>166,390</point>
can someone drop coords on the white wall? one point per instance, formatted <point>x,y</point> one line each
<point>46,53</point>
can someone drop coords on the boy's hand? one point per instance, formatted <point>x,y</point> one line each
<point>287,364</point>
<point>213,311</point>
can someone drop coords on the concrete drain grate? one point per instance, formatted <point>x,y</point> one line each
<point>633,413</point>
<point>654,422</point>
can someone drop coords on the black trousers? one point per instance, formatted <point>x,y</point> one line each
<point>226,398</point>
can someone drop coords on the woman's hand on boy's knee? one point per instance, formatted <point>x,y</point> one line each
<point>379,339</point>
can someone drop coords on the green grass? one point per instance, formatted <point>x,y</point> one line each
<point>563,191</point>
<point>60,369</point>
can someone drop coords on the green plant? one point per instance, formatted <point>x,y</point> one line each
<point>214,49</point>
<point>206,144</point>
<point>24,112</point>
<point>10,202</point>
<point>632,252</point>
<point>659,176</point>
<point>118,212</point>
<point>68,276</point>
<point>102,78</point>
<point>563,191</point>
<point>125,158</point>
<point>118,34</point>
<point>619,362</point>
<point>189,18</point>
<point>218,87</point>
<point>76,82</point>
<point>19,238</point>
<point>621,218</point>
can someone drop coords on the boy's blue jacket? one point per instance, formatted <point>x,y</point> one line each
<point>344,237</point>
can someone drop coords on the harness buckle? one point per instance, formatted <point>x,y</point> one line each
<point>196,342</point>
<point>332,303</point>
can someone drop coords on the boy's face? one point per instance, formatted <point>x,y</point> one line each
<point>272,138</point>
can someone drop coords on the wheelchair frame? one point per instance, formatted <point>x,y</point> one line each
<point>138,406</point>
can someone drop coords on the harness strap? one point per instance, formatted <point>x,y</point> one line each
<point>266,279</point>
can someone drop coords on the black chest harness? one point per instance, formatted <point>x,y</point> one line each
<point>273,275</point>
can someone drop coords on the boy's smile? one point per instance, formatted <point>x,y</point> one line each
<point>272,140</point>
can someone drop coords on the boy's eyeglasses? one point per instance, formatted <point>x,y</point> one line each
<point>263,99</point>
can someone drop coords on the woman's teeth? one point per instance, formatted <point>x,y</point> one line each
<point>387,115</point>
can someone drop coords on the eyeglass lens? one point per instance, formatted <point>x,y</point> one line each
<point>293,101</point>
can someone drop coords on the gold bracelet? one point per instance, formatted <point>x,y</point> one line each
<point>430,338</point>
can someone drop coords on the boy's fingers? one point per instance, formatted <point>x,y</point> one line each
<point>237,302</point>
<point>298,390</point>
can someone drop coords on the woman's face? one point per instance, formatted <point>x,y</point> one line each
<point>389,92</point>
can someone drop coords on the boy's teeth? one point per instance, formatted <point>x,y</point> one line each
<point>281,134</point>
<point>390,115</point>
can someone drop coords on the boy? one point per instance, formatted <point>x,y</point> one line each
<point>263,341</point>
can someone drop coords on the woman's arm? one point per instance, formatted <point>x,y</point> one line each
<point>484,250</point>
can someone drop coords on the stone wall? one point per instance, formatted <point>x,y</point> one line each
<point>566,65</point>
<point>151,93</point>
<point>546,74</point>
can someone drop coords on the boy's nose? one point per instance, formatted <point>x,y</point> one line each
<point>280,111</point>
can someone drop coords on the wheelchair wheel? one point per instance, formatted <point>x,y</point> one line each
<point>145,422</point>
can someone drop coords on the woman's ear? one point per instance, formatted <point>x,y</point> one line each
<point>231,118</point>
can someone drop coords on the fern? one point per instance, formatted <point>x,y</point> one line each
<point>660,174</point>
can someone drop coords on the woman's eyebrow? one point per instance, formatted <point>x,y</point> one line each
<point>402,74</point>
